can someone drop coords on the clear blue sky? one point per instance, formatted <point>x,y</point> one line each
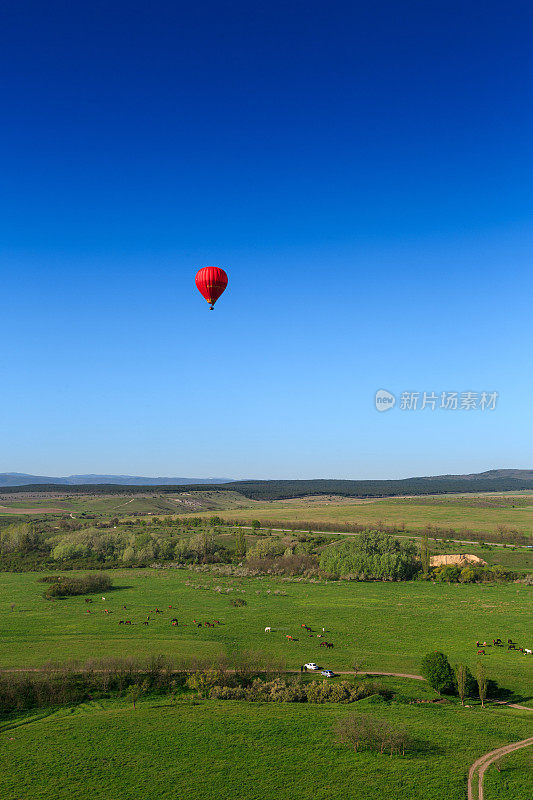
<point>363,171</point>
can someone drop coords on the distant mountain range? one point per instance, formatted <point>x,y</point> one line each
<point>21,479</point>
<point>494,480</point>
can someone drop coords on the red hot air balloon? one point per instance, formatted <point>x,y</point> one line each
<point>211,282</point>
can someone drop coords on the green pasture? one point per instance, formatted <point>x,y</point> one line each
<point>214,750</point>
<point>460,513</point>
<point>515,778</point>
<point>384,626</point>
<point>484,512</point>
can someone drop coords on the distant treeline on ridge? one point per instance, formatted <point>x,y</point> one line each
<point>286,489</point>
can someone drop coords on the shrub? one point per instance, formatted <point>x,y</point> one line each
<point>88,584</point>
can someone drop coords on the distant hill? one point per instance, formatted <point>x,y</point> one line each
<point>21,479</point>
<point>492,481</point>
<point>493,474</point>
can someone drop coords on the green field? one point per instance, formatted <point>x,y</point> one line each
<point>515,778</point>
<point>386,626</point>
<point>456,512</point>
<point>216,750</point>
<point>482,513</point>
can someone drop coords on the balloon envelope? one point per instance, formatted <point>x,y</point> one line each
<point>211,282</point>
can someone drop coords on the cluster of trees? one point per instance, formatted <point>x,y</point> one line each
<point>273,557</point>
<point>372,556</point>
<point>67,685</point>
<point>363,732</point>
<point>29,545</point>
<point>458,681</point>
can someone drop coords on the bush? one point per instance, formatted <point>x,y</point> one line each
<point>70,586</point>
<point>437,671</point>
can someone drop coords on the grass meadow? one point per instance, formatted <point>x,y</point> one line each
<point>213,750</point>
<point>482,512</point>
<point>384,626</point>
<point>515,778</point>
<point>456,512</point>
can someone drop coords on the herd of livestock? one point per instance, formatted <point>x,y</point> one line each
<point>308,631</point>
<point>498,643</point>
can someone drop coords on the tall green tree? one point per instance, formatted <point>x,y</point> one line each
<point>134,693</point>
<point>424,553</point>
<point>461,674</point>
<point>481,678</point>
<point>240,544</point>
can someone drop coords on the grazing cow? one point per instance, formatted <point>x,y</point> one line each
<point>481,652</point>
<point>529,652</point>
<point>268,630</point>
<point>88,600</point>
<point>121,622</point>
<point>329,644</point>
<point>511,647</point>
<point>145,622</point>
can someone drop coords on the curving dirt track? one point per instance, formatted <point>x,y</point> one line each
<point>485,761</point>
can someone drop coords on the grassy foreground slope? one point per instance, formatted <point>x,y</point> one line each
<point>387,626</point>
<point>216,750</point>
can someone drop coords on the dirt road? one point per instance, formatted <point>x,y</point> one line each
<point>485,761</point>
